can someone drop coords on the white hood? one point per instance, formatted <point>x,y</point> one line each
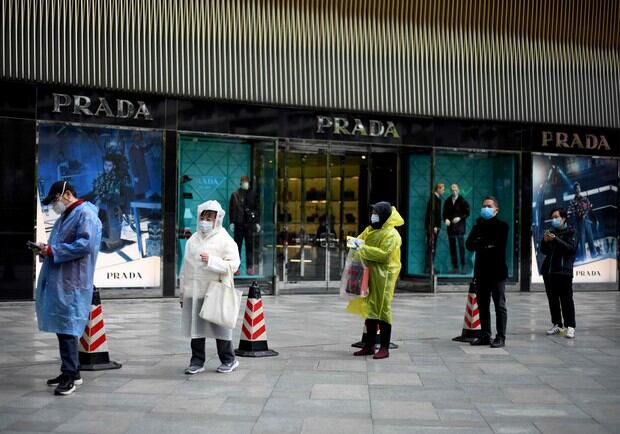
<point>211,205</point>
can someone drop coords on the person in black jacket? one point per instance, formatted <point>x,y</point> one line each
<point>455,212</point>
<point>488,238</point>
<point>244,221</point>
<point>559,245</point>
<point>432,224</point>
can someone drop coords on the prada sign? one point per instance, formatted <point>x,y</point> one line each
<point>355,127</point>
<point>100,107</point>
<point>574,141</point>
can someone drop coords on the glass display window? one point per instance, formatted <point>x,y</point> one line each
<point>119,170</point>
<point>240,175</point>
<point>446,190</point>
<point>587,189</point>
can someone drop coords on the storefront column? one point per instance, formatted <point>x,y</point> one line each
<point>525,224</point>
<point>169,215</point>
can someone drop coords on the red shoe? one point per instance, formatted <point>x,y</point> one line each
<point>237,273</point>
<point>366,351</point>
<point>383,353</point>
<point>250,271</point>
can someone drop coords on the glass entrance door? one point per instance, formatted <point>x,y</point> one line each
<point>322,199</point>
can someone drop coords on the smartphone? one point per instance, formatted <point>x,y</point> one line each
<point>33,246</point>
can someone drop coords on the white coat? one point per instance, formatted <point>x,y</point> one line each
<point>196,274</point>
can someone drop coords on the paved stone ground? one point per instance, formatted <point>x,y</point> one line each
<point>430,384</point>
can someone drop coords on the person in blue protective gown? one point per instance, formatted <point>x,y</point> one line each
<point>65,286</point>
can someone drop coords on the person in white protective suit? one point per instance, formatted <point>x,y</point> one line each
<point>210,255</point>
<point>65,286</point>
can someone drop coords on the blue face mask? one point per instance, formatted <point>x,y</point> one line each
<point>557,223</point>
<point>487,213</point>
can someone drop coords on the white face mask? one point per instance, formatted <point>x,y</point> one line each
<point>374,218</point>
<point>205,226</point>
<point>59,207</point>
<point>245,185</point>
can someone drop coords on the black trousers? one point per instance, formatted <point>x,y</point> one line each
<point>454,240</point>
<point>70,361</point>
<point>246,231</point>
<point>431,250</point>
<point>224,351</point>
<point>484,292</point>
<point>559,290</point>
<point>385,331</point>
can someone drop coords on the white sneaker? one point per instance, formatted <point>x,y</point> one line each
<point>225,368</point>
<point>191,370</point>
<point>570,333</point>
<point>555,330</point>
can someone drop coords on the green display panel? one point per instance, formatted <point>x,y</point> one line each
<point>419,188</point>
<point>214,168</point>
<point>478,175</point>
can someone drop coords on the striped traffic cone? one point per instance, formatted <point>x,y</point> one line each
<point>360,344</point>
<point>253,341</point>
<point>93,347</point>
<point>471,322</point>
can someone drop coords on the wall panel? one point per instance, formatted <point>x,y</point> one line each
<point>522,60</point>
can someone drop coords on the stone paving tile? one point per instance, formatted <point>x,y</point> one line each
<point>278,425</point>
<point>534,395</point>
<point>529,411</point>
<point>572,428</point>
<point>339,391</point>
<point>430,384</point>
<point>319,425</point>
<point>391,410</point>
<point>317,407</point>
<point>514,428</point>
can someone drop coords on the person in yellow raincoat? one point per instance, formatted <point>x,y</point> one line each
<point>379,247</point>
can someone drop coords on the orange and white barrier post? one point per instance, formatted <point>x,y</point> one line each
<point>253,341</point>
<point>471,321</point>
<point>93,345</point>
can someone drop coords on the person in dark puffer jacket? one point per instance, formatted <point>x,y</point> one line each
<point>559,246</point>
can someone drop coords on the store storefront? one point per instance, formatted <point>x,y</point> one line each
<point>148,161</point>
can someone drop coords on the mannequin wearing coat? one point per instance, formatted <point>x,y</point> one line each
<point>210,255</point>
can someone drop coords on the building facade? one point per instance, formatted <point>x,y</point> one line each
<point>326,107</point>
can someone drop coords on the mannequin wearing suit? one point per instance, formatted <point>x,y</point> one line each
<point>455,213</point>
<point>432,225</point>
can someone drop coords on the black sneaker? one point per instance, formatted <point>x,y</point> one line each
<point>481,341</point>
<point>77,380</point>
<point>498,342</point>
<point>66,386</point>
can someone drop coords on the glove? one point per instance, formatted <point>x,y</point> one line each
<point>455,220</point>
<point>447,222</point>
<point>257,227</point>
<point>232,227</point>
<point>354,243</point>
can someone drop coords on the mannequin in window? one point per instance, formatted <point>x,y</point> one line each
<point>432,225</point>
<point>244,221</point>
<point>455,213</point>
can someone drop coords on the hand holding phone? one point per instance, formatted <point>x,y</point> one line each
<point>33,246</point>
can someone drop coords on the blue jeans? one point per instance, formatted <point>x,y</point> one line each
<point>70,362</point>
<point>583,228</point>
